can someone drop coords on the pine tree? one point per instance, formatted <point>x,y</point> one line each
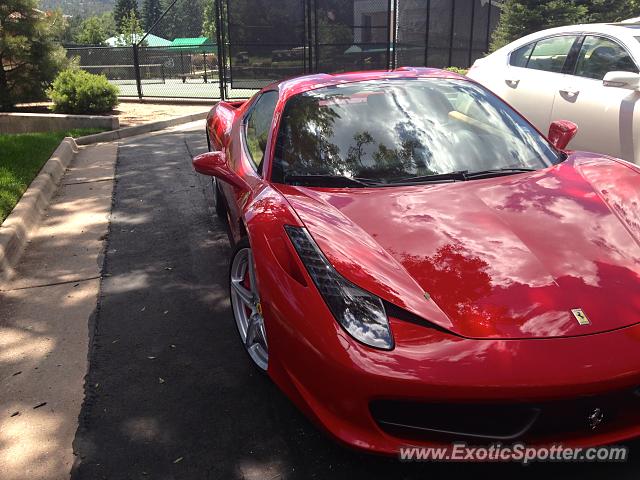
<point>29,55</point>
<point>122,9</point>
<point>609,10</point>
<point>184,19</point>
<point>131,30</point>
<point>521,17</point>
<point>209,20</point>
<point>151,11</point>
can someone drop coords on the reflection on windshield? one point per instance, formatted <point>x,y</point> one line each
<point>391,129</point>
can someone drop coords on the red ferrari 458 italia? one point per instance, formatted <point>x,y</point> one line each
<point>415,263</point>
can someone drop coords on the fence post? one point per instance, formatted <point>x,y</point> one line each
<point>136,68</point>
<point>219,40</point>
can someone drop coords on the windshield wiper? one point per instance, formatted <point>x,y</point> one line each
<point>461,175</point>
<point>436,177</point>
<point>497,172</point>
<point>330,181</point>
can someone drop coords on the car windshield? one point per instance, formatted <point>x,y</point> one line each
<point>395,130</point>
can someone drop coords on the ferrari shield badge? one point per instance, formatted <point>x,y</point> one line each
<point>580,316</point>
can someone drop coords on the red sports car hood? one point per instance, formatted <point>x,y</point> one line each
<point>506,257</point>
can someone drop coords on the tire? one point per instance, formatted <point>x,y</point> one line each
<point>245,305</point>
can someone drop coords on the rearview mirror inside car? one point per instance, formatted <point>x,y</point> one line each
<point>627,80</point>
<point>561,132</point>
<point>214,164</point>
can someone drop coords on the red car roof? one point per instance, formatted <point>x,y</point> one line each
<point>305,83</point>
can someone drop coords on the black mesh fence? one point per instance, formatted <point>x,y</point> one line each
<point>256,42</point>
<point>442,33</point>
<point>188,71</point>
<point>352,34</point>
<point>266,41</point>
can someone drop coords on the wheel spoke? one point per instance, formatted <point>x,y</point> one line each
<point>262,334</point>
<point>245,295</point>
<point>247,309</point>
<point>252,330</point>
<point>252,275</point>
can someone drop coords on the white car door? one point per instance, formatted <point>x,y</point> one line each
<point>532,77</point>
<point>604,115</point>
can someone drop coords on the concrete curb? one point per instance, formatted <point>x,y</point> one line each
<point>25,216</point>
<point>17,227</point>
<point>50,122</point>
<point>139,129</point>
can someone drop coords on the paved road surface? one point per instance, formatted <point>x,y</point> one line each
<point>171,393</point>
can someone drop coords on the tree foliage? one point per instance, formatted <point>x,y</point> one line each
<point>95,29</point>
<point>123,9</point>
<point>151,11</point>
<point>522,17</point>
<point>209,20</point>
<point>29,54</point>
<point>184,19</point>
<point>131,30</point>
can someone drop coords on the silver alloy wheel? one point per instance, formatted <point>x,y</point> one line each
<point>246,306</point>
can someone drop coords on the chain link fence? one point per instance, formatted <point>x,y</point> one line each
<point>260,41</point>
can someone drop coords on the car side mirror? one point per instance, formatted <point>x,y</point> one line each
<point>214,164</point>
<point>628,80</point>
<point>561,132</point>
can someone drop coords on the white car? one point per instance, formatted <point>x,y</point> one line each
<point>587,74</point>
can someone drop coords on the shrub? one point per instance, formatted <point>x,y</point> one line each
<point>461,71</point>
<point>77,91</point>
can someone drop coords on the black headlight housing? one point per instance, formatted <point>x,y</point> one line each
<point>359,312</point>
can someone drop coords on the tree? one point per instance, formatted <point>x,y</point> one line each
<point>151,11</point>
<point>29,55</point>
<point>131,30</point>
<point>95,30</point>
<point>609,10</point>
<point>521,17</point>
<point>183,20</point>
<point>122,10</point>
<point>209,20</point>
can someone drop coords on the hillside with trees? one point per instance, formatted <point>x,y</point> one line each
<point>82,8</point>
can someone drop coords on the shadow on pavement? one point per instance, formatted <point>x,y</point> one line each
<point>171,393</point>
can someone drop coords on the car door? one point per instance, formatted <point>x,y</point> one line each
<point>256,125</point>
<point>604,114</point>
<point>532,76</point>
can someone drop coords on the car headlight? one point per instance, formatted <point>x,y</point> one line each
<point>360,313</point>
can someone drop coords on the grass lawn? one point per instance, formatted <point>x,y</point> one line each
<point>21,158</point>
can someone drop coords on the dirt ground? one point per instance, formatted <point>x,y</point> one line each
<point>133,113</point>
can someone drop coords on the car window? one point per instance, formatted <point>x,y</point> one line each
<point>599,55</point>
<point>386,130</point>
<point>550,54</point>
<point>258,123</point>
<point>520,57</point>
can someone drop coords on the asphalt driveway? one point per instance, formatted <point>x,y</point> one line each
<point>170,392</point>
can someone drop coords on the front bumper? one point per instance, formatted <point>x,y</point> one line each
<point>336,380</point>
<point>563,379</point>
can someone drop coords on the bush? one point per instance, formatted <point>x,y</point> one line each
<point>461,71</point>
<point>77,91</point>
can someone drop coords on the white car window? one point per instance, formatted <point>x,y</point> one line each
<point>599,55</point>
<point>520,57</point>
<point>550,54</point>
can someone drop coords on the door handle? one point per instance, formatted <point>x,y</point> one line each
<point>512,82</point>
<point>570,92</point>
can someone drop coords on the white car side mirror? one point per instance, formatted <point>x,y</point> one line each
<point>627,80</point>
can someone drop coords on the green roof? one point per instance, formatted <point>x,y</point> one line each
<point>194,44</point>
<point>151,40</point>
